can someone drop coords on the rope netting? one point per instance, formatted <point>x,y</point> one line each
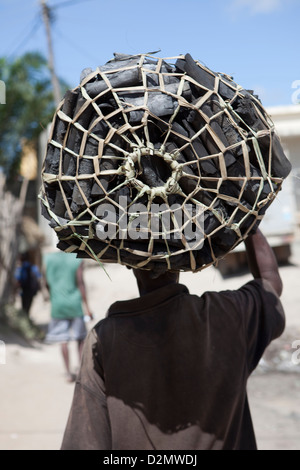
<point>159,164</point>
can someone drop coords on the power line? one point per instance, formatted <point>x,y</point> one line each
<point>35,24</point>
<point>74,45</point>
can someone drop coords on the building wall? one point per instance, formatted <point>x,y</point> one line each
<point>287,124</point>
<point>292,147</point>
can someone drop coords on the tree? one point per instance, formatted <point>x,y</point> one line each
<point>29,106</point>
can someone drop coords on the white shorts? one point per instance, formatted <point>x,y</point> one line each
<point>62,331</point>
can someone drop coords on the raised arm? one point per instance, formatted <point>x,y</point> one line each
<point>262,261</point>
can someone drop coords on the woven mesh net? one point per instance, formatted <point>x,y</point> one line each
<point>159,164</point>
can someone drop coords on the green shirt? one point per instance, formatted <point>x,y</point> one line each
<point>65,296</point>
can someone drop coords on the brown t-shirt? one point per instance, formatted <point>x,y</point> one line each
<point>168,371</point>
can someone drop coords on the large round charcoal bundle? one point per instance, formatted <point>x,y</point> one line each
<point>159,164</point>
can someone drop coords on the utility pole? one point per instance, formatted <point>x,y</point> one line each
<point>46,13</point>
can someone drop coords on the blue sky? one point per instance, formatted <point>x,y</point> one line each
<point>255,41</point>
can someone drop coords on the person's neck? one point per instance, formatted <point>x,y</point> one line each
<point>144,290</point>
<point>146,285</point>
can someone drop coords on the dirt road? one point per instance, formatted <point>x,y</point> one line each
<point>35,398</point>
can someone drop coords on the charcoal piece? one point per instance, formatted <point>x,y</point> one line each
<point>189,185</point>
<point>249,222</point>
<point>85,73</point>
<point>131,259</point>
<point>245,107</point>
<point>281,166</point>
<point>252,186</point>
<point>121,61</point>
<point>68,106</point>
<point>105,165</point>
<point>203,77</point>
<point>223,241</point>
<point>231,133</point>
<point>106,108</point>
<point>86,167</point>
<point>100,130</point>
<point>64,245</point>
<point>197,122</point>
<point>119,56</point>
<point>211,223</point>
<point>123,78</point>
<point>69,164</point>
<point>225,89</point>
<point>75,136</point>
<point>150,177</point>
<point>174,244</point>
<point>159,104</point>
<point>50,192</point>
<point>179,141</point>
<point>155,170</point>
<point>52,160</point>
<point>219,132</point>
<point>84,118</point>
<point>64,233</point>
<point>136,245</point>
<point>59,206</point>
<point>199,148</point>
<point>230,188</point>
<point>186,90</point>
<point>70,101</point>
<point>203,257</point>
<point>68,187</point>
<point>82,230</point>
<point>91,150</point>
<point>165,68</point>
<point>254,98</point>
<point>80,254</point>
<point>123,197</point>
<point>159,248</point>
<point>178,262</point>
<point>229,158</point>
<point>98,191</point>
<point>78,202</point>
<point>172,148</point>
<point>97,246</point>
<point>153,78</point>
<point>48,159</point>
<point>189,66</point>
<point>194,150</point>
<point>208,167</point>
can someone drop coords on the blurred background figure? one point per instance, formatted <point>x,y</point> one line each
<point>28,280</point>
<point>63,274</point>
